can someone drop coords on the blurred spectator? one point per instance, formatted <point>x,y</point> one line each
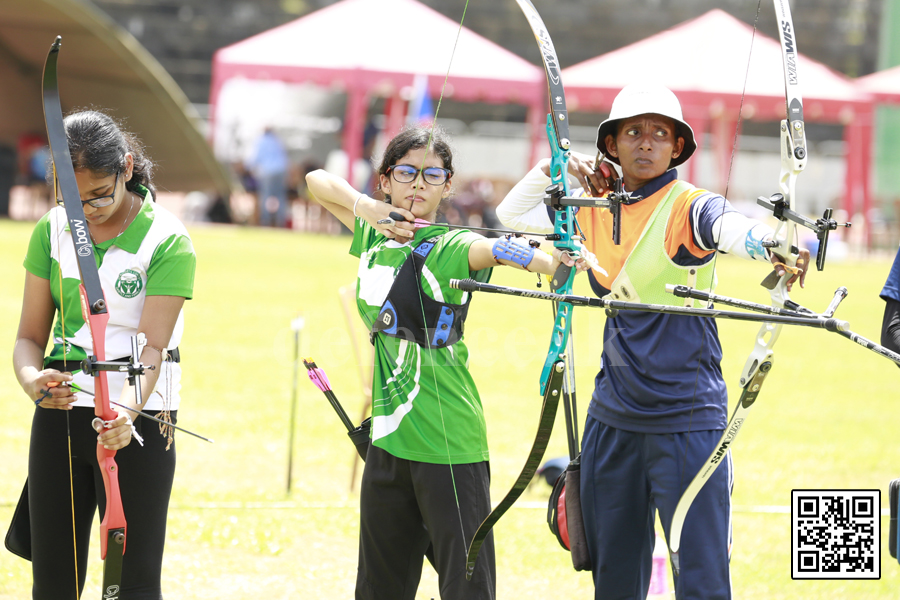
<point>25,147</point>
<point>269,165</point>
<point>474,204</point>
<point>7,177</point>
<point>448,213</point>
<point>337,163</point>
<point>196,207</point>
<point>470,200</point>
<point>219,211</point>
<point>34,163</point>
<point>308,215</point>
<point>248,181</point>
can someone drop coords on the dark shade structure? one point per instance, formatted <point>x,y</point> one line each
<point>103,66</point>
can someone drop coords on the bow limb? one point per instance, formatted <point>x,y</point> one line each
<point>785,243</point>
<point>94,309</point>
<point>554,369</point>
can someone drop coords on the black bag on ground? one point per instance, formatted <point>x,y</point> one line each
<point>564,515</point>
<point>894,499</point>
<point>18,538</point>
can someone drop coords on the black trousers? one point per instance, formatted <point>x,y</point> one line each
<point>145,482</point>
<point>404,506</point>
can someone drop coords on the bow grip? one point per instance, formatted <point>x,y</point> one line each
<point>113,526</point>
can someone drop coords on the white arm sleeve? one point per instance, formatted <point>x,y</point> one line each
<point>523,209</point>
<point>742,236</point>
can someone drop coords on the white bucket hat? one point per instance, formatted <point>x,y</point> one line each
<point>641,99</point>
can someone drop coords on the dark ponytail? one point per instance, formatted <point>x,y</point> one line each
<point>98,143</point>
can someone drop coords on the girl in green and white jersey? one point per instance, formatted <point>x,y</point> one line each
<point>428,438</point>
<point>146,264</point>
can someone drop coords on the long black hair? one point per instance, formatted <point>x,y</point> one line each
<point>413,138</point>
<point>98,143</point>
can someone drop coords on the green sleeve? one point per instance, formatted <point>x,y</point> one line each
<point>458,244</point>
<point>38,260</point>
<point>171,271</point>
<point>364,235</point>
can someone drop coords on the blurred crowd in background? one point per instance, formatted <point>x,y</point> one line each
<point>273,191</point>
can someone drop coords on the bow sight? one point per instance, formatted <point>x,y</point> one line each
<point>133,367</point>
<point>821,227</point>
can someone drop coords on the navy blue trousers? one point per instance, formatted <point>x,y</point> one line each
<point>625,478</point>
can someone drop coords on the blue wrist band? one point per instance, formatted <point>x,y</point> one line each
<point>506,249</point>
<point>754,246</point>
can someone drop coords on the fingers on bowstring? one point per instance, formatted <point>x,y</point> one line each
<point>55,378</point>
<point>403,230</point>
<point>401,233</point>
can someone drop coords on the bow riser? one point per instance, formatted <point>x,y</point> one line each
<point>558,341</point>
<point>793,162</point>
<point>787,241</point>
<point>113,526</point>
<point>564,223</point>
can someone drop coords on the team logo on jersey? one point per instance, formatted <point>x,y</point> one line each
<point>129,284</point>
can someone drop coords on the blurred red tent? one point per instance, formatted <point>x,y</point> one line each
<point>344,46</point>
<point>884,86</point>
<point>705,61</point>
<point>101,65</point>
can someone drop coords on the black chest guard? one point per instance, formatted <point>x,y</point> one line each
<point>416,317</point>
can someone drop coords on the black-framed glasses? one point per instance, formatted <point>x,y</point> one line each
<point>100,201</point>
<point>431,175</point>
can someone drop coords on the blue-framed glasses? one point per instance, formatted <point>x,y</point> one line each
<point>100,201</point>
<point>408,174</point>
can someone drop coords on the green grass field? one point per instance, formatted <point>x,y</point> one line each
<point>825,419</point>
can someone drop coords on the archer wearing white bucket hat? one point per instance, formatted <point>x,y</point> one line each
<point>658,408</point>
<point>641,99</point>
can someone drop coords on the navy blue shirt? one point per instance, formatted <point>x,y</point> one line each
<point>661,373</point>
<point>891,289</point>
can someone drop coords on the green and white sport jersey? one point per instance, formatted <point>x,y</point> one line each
<point>153,256</point>
<point>425,406</point>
